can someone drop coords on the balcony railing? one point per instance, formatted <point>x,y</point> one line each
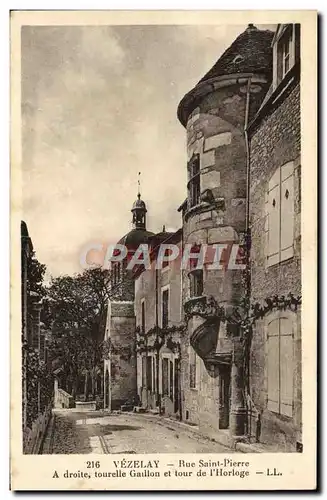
<point>204,306</point>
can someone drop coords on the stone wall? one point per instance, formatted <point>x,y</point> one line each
<point>145,291</point>
<point>275,141</point>
<point>200,404</point>
<point>123,359</point>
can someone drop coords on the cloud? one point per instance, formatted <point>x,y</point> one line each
<point>99,105</point>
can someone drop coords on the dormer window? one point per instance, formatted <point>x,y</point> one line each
<point>286,50</point>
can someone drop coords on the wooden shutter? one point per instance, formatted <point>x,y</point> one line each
<point>287,211</point>
<point>286,367</point>
<point>273,366</point>
<point>274,219</point>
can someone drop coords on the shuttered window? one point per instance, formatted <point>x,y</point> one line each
<point>280,366</point>
<point>280,215</point>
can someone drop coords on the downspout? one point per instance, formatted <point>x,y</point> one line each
<point>157,338</point>
<point>246,122</point>
<point>239,411</point>
<point>248,247</point>
<point>182,321</point>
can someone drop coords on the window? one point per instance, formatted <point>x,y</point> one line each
<point>149,373</point>
<point>171,379</point>
<point>165,380</point>
<point>165,308</point>
<point>143,371</point>
<point>280,366</point>
<point>193,185</point>
<point>167,377</point>
<point>280,215</point>
<point>192,368</point>
<point>165,263</point>
<point>285,52</point>
<point>114,272</point>
<point>196,283</point>
<point>143,316</point>
<point>119,274</point>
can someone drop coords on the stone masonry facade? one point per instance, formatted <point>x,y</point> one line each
<point>190,357</point>
<point>276,141</point>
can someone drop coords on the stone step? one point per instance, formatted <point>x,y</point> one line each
<point>139,409</point>
<point>126,407</point>
<point>154,411</point>
<point>85,405</point>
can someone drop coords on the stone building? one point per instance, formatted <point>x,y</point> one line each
<point>275,222</point>
<point>33,333</point>
<point>120,336</point>
<point>159,320</point>
<point>220,346</point>
<point>216,114</point>
<point>26,255</point>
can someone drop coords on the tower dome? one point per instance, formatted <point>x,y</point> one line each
<point>139,204</point>
<point>139,233</point>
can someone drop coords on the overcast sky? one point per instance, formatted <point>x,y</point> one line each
<point>99,105</point>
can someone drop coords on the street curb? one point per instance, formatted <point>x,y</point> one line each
<point>222,439</point>
<point>48,440</point>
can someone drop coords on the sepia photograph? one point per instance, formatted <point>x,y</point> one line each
<point>161,245</point>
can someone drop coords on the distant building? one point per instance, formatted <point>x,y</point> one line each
<point>159,321</point>
<point>120,335</point>
<point>26,255</point>
<point>33,335</point>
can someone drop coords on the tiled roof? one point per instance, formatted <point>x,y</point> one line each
<point>251,52</point>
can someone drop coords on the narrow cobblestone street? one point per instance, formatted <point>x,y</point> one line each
<point>95,432</point>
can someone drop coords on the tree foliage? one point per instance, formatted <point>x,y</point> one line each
<point>78,307</point>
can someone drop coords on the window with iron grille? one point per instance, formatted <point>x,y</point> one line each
<point>196,283</point>
<point>165,308</point>
<point>193,185</point>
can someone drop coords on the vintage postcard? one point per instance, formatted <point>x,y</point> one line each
<point>163,241</point>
